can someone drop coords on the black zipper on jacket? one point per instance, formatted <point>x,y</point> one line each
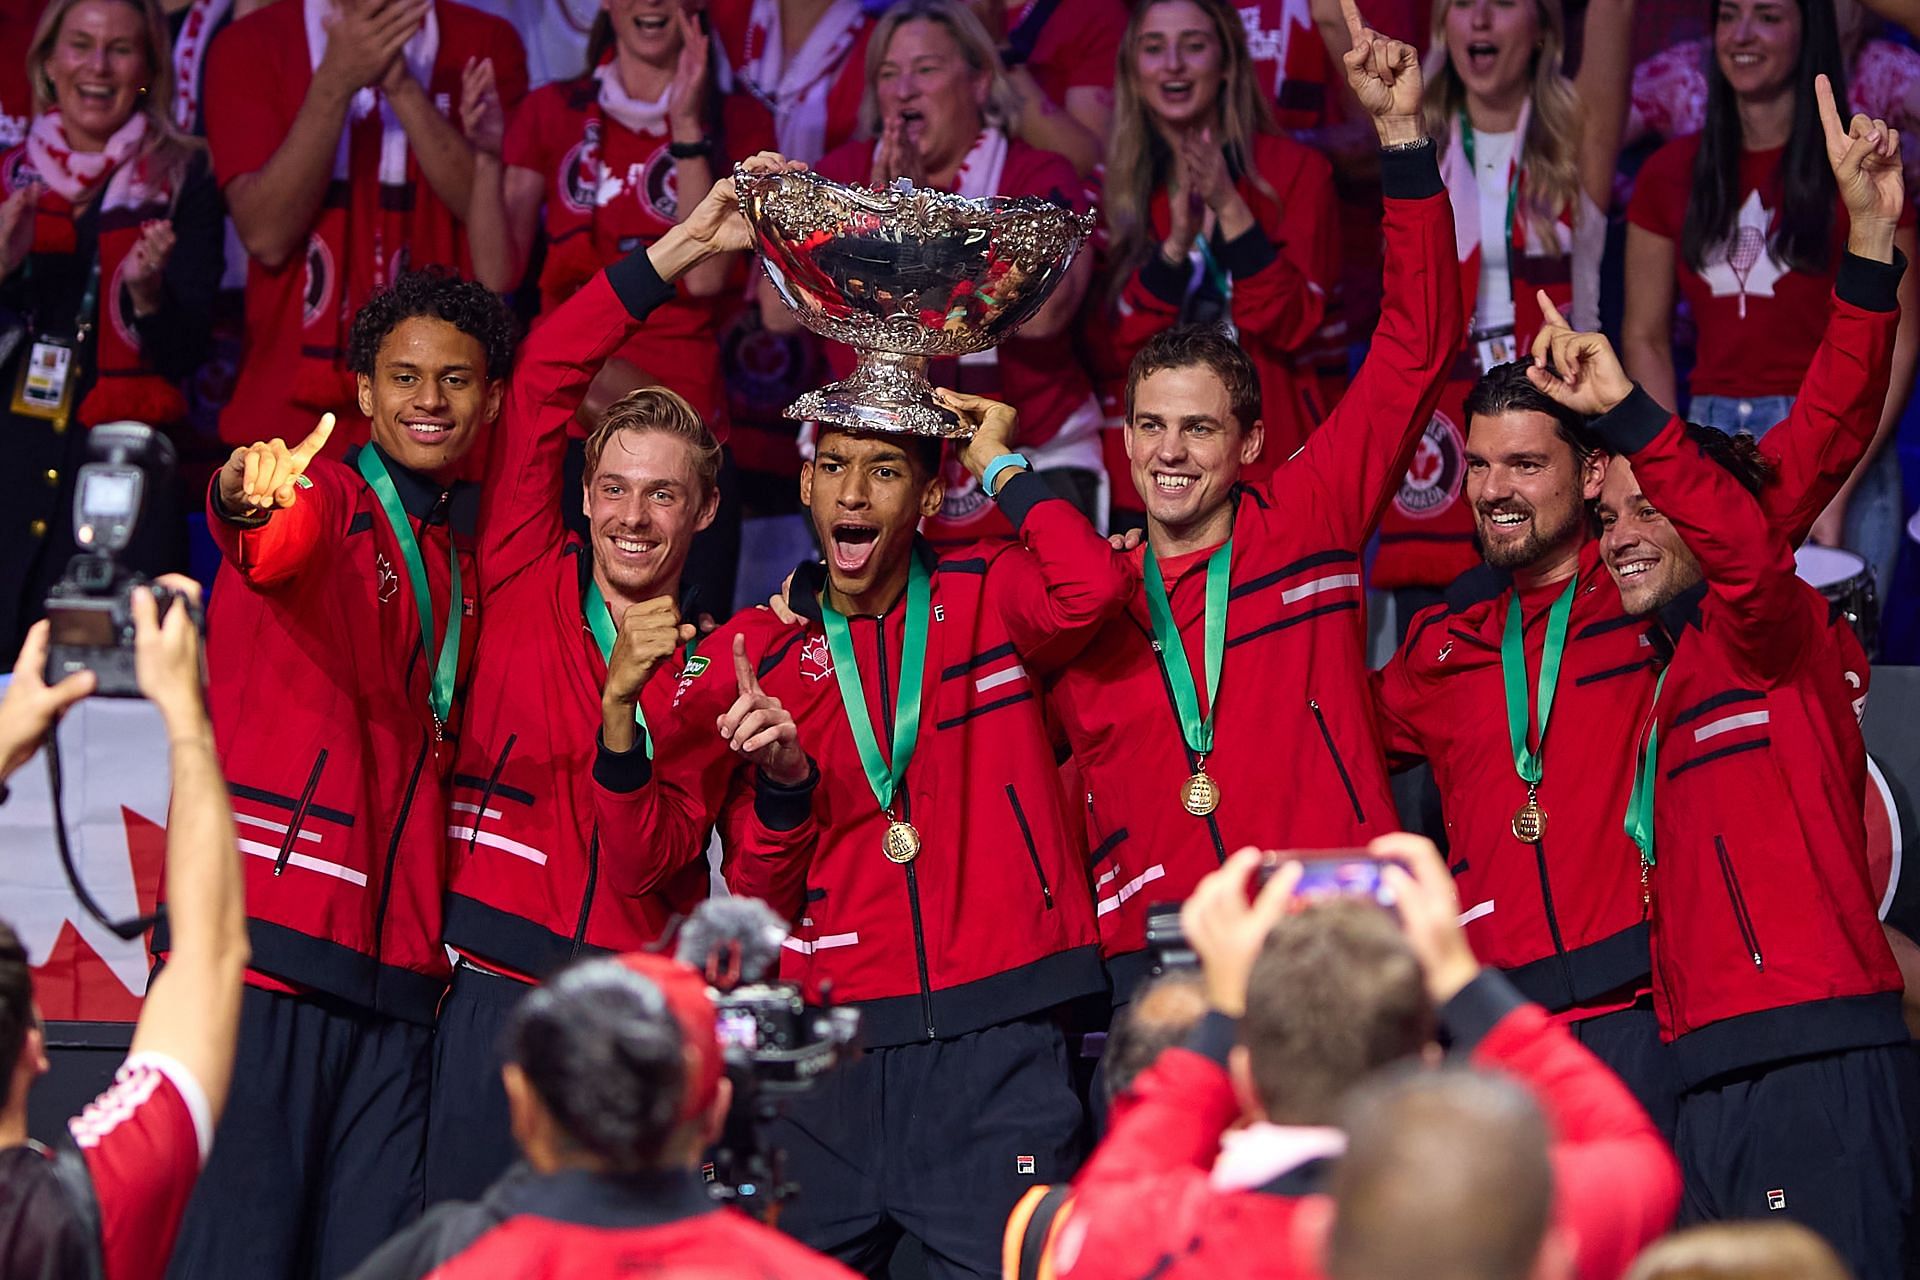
<point>1193,761</point>
<point>299,816</point>
<point>905,803</point>
<point>393,846</point>
<point>1326,736</point>
<point>1026,833</point>
<point>586,899</point>
<point>486,794</point>
<point>1553,918</point>
<point>1739,901</point>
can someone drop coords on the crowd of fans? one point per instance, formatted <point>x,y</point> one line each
<point>483,719</point>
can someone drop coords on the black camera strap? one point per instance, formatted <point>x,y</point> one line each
<point>126,930</point>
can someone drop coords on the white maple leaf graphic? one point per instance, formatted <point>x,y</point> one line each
<point>1744,264</point>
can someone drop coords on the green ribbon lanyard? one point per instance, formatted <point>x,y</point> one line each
<point>440,695</point>
<point>1513,183</point>
<point>600,622</point>
<point>1639,823</point>
<point>1197,730</point>
<point>1513,668</point>
<point>885,779</point>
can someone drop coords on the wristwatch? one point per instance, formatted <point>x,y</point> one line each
<point>688,150</point>
<point>990,478</point>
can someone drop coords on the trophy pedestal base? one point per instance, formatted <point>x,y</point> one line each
<point>884,393</point>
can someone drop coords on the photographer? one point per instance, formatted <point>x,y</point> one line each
<point>141,1144</point>
<point>614,1080</point>
<point>1306,1003</point>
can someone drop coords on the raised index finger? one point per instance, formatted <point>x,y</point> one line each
<point>309,449</point>
<point>1551,312</point>
<point>742,669</point>
<point>1829,111</point>
<point>1355,27</point>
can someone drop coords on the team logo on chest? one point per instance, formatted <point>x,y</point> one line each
<point>816,662</point>
<point>1438,468</point>
<point>386,581</point>
<point>579,171</point>
<point>318,292</point>
<point>659,186</point>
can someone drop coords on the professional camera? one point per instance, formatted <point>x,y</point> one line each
<point>91,608</point>
<point>776,1045</point>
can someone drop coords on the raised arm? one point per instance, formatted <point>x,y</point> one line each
<point>1606,73</point>
<point>267,516</point>
<point>1064,581</point>
<point>520,518</point>
<point>1356,458</point>
<point>192,1009</point>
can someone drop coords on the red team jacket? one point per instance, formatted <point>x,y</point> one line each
<point>1766,941</point>
<point>320,712</point>
<point>993,920</point>
<point>1297,754</point>
<point>553,847</point>
<point>575,1223</point>
<point>1144,1204</point>
<point>1565,917</point>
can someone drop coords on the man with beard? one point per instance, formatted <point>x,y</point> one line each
<point>946,899</point>
<point>1227,705</point>
<point>1536,636</point>
<point>1774,986</point>
<point>545,849</point>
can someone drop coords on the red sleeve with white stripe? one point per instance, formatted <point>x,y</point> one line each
<point>144,1141</point>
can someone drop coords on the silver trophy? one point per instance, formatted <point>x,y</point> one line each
<point>903,275</point>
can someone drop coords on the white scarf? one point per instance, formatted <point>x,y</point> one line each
<point>797,90</point>
<point>420,53</point>
<point>75,174</point>
<point>1256,1155</point>
<point>979,174</point>
<point>197,30</point>
<point>631,113</point>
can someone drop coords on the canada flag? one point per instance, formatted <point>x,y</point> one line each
<point>113,756</point>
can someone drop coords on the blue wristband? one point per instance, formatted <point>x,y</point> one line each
<point>990,478</point>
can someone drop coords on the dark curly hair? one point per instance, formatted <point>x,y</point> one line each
<point>467,305</point>
<point>1739,455</point>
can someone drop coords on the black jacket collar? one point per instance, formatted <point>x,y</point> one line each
<point>420,495</point>
<point>1675,616</point>
<point>606,1200</point>
<point>810,579</point>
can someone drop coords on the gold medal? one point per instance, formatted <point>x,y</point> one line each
<point>1200,794</point>
<point>1529,822</point>
<point>901,844</point>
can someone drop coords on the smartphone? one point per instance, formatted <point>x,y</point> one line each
<point>1335,873</point>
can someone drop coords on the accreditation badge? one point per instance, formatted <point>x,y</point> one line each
<point>44,386</point>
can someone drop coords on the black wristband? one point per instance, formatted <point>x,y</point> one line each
<point>690,150</point>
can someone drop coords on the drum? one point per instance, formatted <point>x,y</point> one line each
<point>1844,579</point>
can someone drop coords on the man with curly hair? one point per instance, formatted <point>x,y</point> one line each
<point>340,636</point>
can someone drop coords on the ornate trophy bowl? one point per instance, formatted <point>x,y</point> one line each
<point>903,275</point>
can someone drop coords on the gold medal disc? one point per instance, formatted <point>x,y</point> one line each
<point>1200,795</point>
<point>1529,822</point>
<point>902,843</point>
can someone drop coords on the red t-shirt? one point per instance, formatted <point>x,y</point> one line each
<point>258,72</point>
<point>144,1141</point>
<point>638,203</point>
<point>1076,47</point>
<point>1759,322</point>
<point>1041,377</point>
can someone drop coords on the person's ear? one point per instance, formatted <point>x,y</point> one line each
<point>1432,1055</point>
<point>806,483</point>
<point>1593,475</point>
<point>716,1117</point>
<point>526,1115</point>
<point>1240,1072</point>
<point>932,496</point>
<point>363,391</point>
<point>37,1052</point>
<point>496,395</point>
<point>708,509</point>
<point>1255,441</point>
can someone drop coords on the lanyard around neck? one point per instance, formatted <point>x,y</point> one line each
<point>1197,729</point>
<point>440,693</point>
<point>1513,171</point>
<point>884,774</point>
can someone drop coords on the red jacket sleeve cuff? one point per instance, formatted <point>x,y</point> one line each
<point>637,285</point>
<point>621,772</point>
<point>1213,1037</point>
<point>1477,1008</point>
<point>1411,173</point>
<point>784,808</point>
<point>1164,280</point>
<point>1021,494</point>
